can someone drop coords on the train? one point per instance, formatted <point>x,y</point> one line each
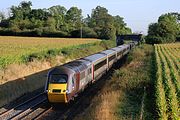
<point>66,81</point>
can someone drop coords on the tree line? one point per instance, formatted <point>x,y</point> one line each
<point>57,21</point>
<point>166,30</point>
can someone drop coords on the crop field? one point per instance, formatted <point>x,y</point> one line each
<point>167,83</point>
<point>20,49</point>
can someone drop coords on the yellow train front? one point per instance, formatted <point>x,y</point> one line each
<point>57,85</point>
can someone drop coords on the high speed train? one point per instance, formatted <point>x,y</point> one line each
<point>66,81</point>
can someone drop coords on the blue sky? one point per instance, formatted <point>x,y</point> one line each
<point>138,14</point>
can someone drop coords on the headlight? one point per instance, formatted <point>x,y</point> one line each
<point>67,91</point>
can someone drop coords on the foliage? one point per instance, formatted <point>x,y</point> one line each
<point>105,25</point>
<point>60,22</point>
<point>165,30</point>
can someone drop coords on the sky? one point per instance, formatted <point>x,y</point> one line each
<point>138,14</point>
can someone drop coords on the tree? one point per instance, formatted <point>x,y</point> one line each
<point>119,24</point>
<point>58,12</point>
<point>22,11</point>
<point>102,23</point>
<point>165,30</point>
<point>2,16</point>
<point>74,18</point>
<point>58,21</point>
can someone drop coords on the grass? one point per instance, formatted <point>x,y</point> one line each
<point>24,49</point>
<point>124,96</point>
<point>17,79</point>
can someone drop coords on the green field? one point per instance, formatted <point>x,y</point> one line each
<point>167,81</point>
<point>22,49</point>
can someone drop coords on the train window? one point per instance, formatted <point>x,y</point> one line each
<point>99,65</point>
<point>82,75</point>
<point>73,79</point>
<point>58,78</point>
<point>89,71</point>
<point>119,53</point>
<point>112,58</point>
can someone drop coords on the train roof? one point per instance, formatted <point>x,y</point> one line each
<point>117,49</point>
<point>76,65</point>
<point>87,62</point>
<point>108,52</point>
<point>95,57</point>
<point>123,46</point>
<point>60,70</point>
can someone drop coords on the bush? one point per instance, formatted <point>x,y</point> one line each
<point>34,33</point>
<point>178,38</point>
<point>153,40</point>
<point>89,33</point>
<point>86,33</point>
<point>55,34</point>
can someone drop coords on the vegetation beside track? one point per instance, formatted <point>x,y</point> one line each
<point>31,76</point>
<point>129,92</point>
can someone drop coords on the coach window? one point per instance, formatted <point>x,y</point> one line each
<point>73,79</point>
<point>89,71</point>
<point>112,58</point>
<point>82,75</point>
<point>99,65</point>
<point>119,53</point>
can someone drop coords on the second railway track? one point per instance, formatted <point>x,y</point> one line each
<point>24,108</point>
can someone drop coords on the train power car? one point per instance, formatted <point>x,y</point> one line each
<point>66,81</point>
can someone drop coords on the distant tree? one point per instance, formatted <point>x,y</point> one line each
<point>58,12</point>
<point>102,23</point>
<point>39,14</point>
<point>57,21</point>
<point>119,24</point>
<point>164,31</point>
<point>2,16</point>
<point>74,18</point>
<point>22,11</point>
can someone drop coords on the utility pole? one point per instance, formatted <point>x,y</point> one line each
<point>81,31</point>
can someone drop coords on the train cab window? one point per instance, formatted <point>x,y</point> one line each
<point>58,78</point>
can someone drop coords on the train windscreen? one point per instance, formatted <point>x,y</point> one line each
<point>58,78</point>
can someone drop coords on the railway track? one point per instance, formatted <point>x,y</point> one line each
<point>24,108</point>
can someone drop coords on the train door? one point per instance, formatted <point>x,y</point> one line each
<point>89,74</point>
<point>77,81</point>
